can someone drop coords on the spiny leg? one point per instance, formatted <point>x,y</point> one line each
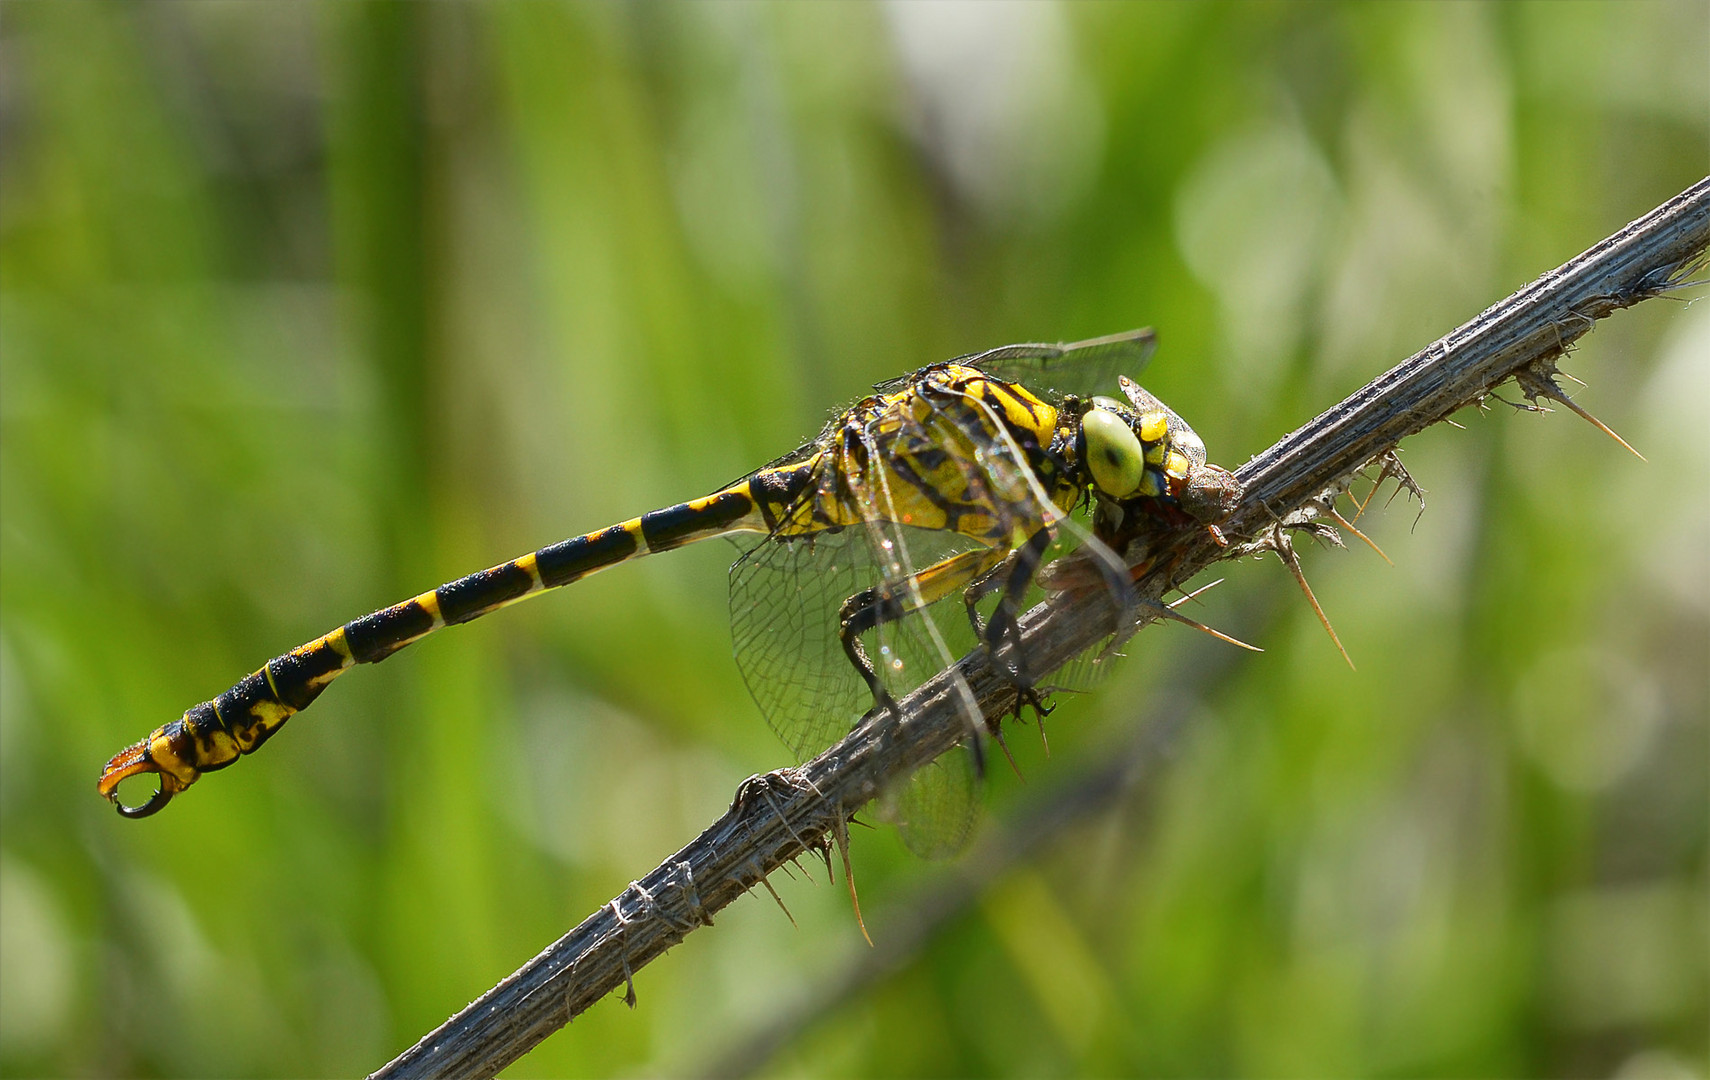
<point>862,612</point>
<point>980,588</point>
<point>933,462</point>
<point>1005,625</point>
<point>881,604</point>
<point>1025,696</point>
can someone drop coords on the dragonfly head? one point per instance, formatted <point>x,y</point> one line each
<point>1139,450</point>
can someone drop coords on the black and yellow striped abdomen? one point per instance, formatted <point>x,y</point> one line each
<point>216,733</point>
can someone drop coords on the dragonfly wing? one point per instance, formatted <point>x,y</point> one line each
<point>785,594</point>
<point>1083,368</point>
<point>936,808</point>
<point>786,597</point>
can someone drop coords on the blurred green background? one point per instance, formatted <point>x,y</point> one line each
<point>308,308</point>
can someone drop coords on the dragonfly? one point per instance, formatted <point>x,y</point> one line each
<point>953,480</point>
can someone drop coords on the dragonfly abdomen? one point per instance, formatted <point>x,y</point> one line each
<point>216,733</point>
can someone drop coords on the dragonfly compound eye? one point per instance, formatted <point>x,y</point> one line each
<point>1113,453</point>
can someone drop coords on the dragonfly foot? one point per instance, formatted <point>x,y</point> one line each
<point>1003,646</point>
<point>1029,697</point>
<point>885,703</point>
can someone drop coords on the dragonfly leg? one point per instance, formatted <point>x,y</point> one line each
<point>881,604</point>
<point>982,587</point>
<point>1004,629</point>
<point>862,612</point>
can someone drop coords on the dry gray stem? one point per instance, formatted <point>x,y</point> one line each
<point>779,818</point>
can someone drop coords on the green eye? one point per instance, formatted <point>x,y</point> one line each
<point>1114,456</point>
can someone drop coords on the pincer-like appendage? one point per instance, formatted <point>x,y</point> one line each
<point>210,736</point>
<point>179,752</point>
<point>138,760</point>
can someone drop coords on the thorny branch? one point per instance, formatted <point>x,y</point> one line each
<point>1115,773</point>
<point>778,818</point>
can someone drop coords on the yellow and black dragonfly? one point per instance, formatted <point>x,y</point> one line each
<point>951,481</point>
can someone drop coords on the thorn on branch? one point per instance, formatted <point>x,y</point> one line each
<point>1538,381</point>
<point>840,835</point>
<point>1162,612</point>
<point>997,736</point>
<point>623,929</point>
<point>764,880</point>
<point>1393,469</point>
<point>1280,543</point>
<point>1346,524</point>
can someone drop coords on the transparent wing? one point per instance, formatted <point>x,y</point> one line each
<point>784,599</point>
<point>938,806</point>
<point>1084,368</point>
<point>786,596</point>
